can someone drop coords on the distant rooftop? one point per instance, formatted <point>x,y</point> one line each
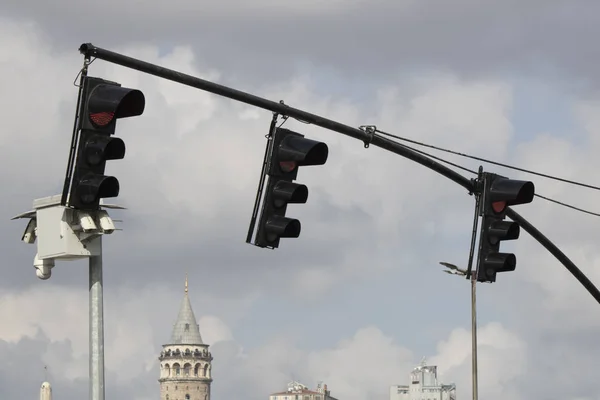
<point>295,387</point>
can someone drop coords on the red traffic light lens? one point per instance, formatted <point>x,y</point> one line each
<point>102,118</point>
<point>498,206</point>
<point>287,166</point>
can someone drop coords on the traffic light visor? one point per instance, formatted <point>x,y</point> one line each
<point>503,230</point>
<point>109,102</point>
<point>101,148</point>
<point>500,262</point>
<point>93,187</point>
<point>282,227</point>
<point>507,192</point>
<point>286,192</point>
<point>302,151</point>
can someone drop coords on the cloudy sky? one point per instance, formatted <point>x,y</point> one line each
<point>359,298</point>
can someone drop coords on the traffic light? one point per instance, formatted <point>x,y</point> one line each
<point>290,150</point>
<point>498,194</point>
<point>103,102</point>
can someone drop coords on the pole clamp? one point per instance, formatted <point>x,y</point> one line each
<point>369,130</point>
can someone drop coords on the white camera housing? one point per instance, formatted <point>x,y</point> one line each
<point>43,268</point>
<point>59,231</point>
<point>30,233</point>
<point>63,233</point>
<point>106,223</point>
<point>86,221</point>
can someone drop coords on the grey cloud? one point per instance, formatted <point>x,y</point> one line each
<point>182,218</point>
<point>259,371</point>
<point>22,372</point>
<point>391,221</point>
<point>567,362</point>
<point>373,40</point>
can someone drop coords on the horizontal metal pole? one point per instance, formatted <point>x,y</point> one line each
<point>90,50</point>
<point>283,109</point>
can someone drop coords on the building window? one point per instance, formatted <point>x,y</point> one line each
<point>187,327</point>
<point>187,397</point>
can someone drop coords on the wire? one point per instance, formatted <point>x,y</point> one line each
<point>567,205</point>
<point>439,159</point>
<point>489,161</point>
<point>475,173</point>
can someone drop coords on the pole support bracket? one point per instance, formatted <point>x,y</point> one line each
<point>369,130</point>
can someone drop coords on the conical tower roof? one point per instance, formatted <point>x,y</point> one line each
<point>186,330</point>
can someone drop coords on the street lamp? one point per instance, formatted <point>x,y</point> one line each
<point>454,270</point>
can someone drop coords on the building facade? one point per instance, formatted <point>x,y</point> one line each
<point>185,362</point>
<point>423,386</point>
<point>297,391</point>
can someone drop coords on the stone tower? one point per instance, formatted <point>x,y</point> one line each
<point>46,391</point>
<point>185,362</point>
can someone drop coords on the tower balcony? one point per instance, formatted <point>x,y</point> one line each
<point>193,355</point>
<point>186,378</point>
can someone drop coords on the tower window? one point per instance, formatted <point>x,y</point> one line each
<point>187,327</point>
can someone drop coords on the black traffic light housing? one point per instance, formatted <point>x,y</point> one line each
<point>499,193</point>
<point>103,102</point>
<point>290,150</point>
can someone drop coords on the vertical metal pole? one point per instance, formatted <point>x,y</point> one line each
<point>96,327</point>
<point>261,180</point>
<point>478,211</point>
<point>474,332</point>
<point>473,276</point>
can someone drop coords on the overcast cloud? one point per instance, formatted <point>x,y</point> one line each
<point>359,298</point>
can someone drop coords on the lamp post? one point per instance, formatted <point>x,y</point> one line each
<point>454,270</point>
